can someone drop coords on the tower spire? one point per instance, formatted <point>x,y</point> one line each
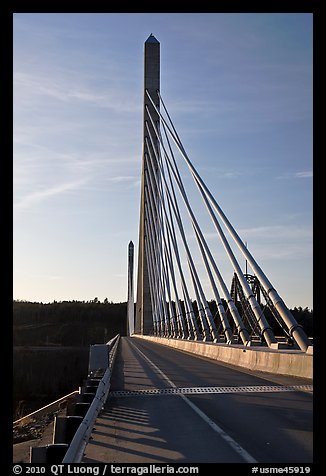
<point>152,39</point>
<point>144,313</point>
<point>130,303</point>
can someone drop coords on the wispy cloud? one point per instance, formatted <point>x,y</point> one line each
<point>305,174</point>
<point>123,178</point>
<point>279,241</point>
<point>226,173</point>
<point>70,88</point>
<point>122,181</point>
<point>36,197</point>
<point>277,231</point>
<point>268,242</point>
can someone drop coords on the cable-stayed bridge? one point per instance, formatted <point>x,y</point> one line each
<point>165,257</point>
<point>209,371</point>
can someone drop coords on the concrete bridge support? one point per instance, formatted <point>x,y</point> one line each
<point>144,320</point>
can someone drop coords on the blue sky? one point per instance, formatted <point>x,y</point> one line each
<point>239,89</point>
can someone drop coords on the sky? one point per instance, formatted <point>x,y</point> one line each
<point>239,89</point>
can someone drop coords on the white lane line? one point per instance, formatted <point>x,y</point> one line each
<point>234,445</point>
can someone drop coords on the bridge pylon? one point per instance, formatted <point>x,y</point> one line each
<point>144,312</point>
<point>130,301</point>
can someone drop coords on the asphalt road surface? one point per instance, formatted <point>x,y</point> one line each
<point>168,406</point>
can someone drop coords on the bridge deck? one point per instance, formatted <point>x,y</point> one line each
<point>169,406</point>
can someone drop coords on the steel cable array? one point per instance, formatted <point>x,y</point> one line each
<point>173,271</point>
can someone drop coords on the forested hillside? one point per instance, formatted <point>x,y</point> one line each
<point>51,347</point>
<point>80,323</point>
<point>67,323</point>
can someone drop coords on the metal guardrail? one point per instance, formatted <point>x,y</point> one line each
<point>44,410</point>
<point>78,444</point>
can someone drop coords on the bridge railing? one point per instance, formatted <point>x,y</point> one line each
<point>51,407</point>
<point>71,433</point>
<point>77,446</point>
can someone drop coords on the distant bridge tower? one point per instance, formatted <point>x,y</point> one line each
<point>144,318</point>
<point>130,303</point>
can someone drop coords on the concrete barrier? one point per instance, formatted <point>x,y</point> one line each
<point>284,362</point>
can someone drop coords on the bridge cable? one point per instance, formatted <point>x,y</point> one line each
<point>192,327</point>
<point>203,308</point>
<point>266,329</point>
<point>193,273</point>
<point>294,328</point>
<point>202,242</point>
